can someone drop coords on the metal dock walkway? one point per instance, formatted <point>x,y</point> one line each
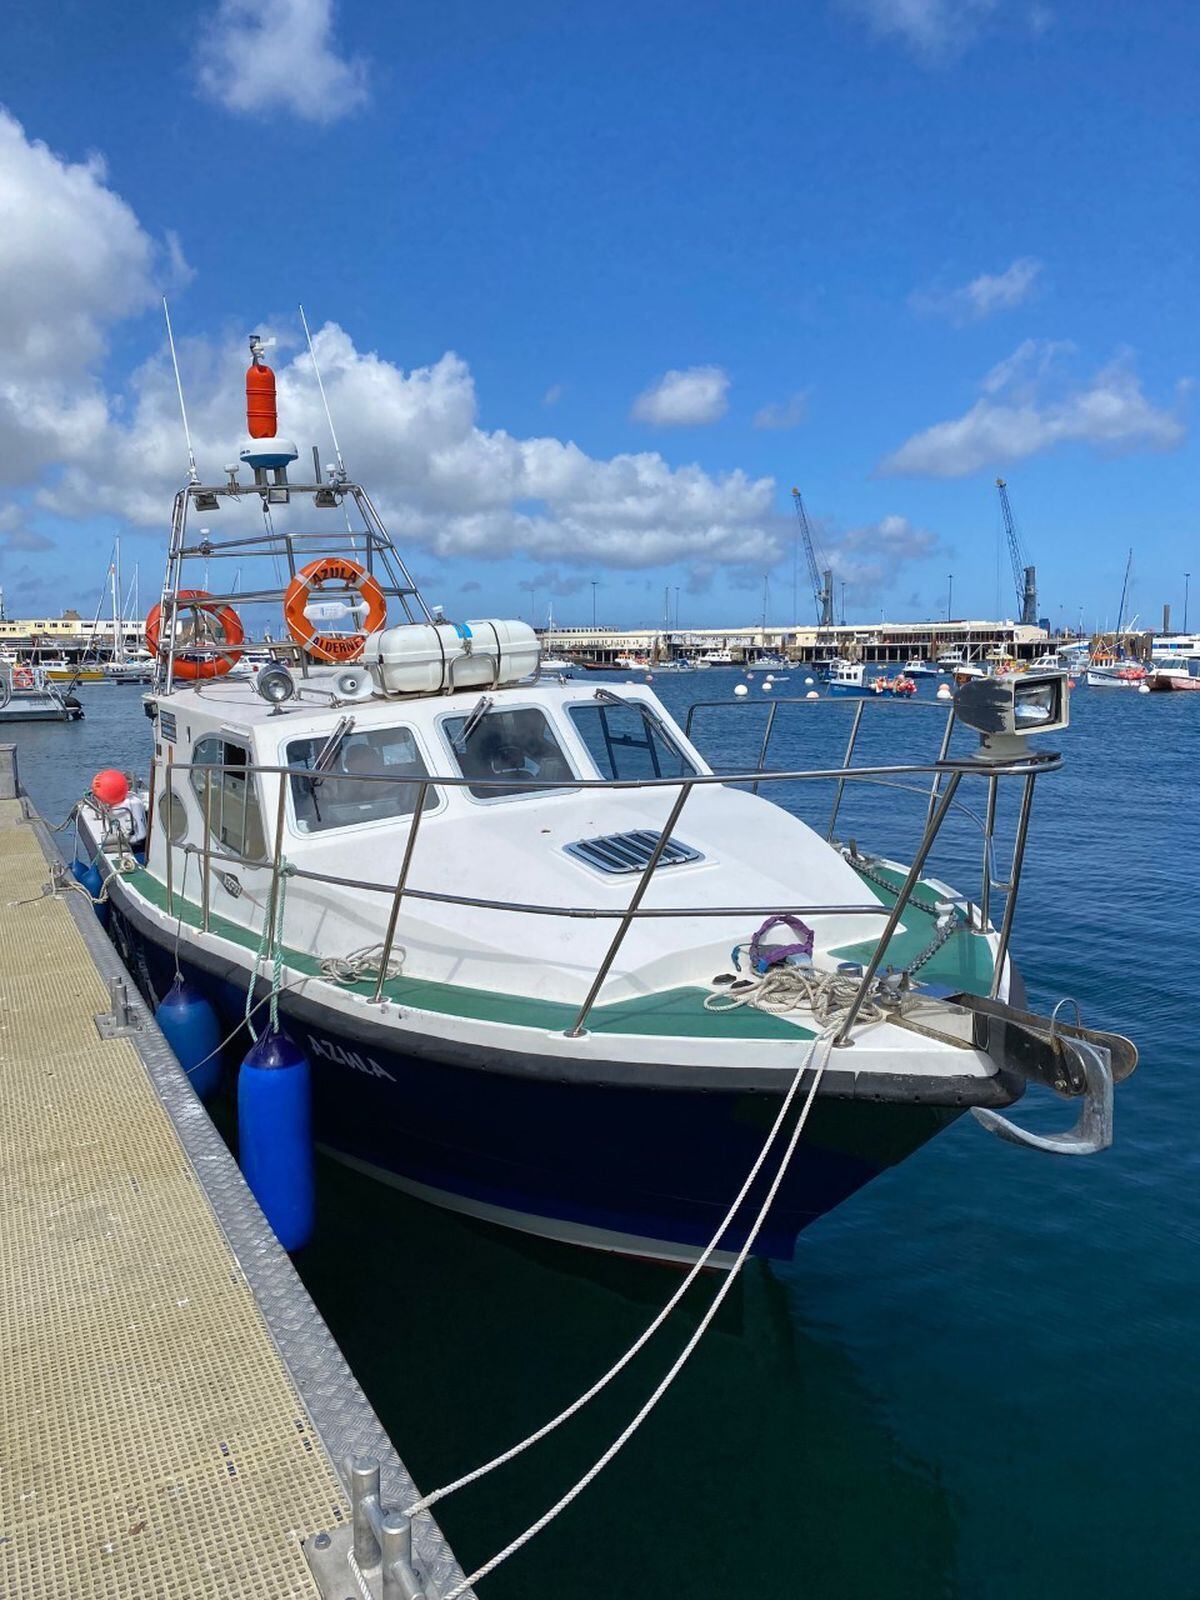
<point>171,1403</point>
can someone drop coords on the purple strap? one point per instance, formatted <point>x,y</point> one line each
<point>781,952</point>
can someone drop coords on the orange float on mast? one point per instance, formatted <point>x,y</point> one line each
<point>262,417</point>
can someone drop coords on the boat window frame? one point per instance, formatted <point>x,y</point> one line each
<point>244,743</point>
<point>569,746</point>
<point>655,709</point>
<point>435,797</point>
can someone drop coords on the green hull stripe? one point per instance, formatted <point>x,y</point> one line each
<point>965,961</point>
<point>677,1013</point>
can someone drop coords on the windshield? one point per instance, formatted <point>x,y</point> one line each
<point>629,741</point>
<point>347,791</point>
<point>510,745</point>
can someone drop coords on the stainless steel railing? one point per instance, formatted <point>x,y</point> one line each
<point>946,774</point>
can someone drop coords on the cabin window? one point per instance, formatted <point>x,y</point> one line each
<point>628,741</point>
<point>174,815</point>
<point>345,786</point>
<point>235,820</point>
<point>509,744</point>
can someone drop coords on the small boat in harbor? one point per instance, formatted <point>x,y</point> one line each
<point>1172,674</point>
<point>918,667</point>
<point>27,694</point>
<point>1108,671</point>
<point>496,914</point>
<point>854,678</point>
<point>59,670</point>
<point>716,658</point>
<point>556,667</point>
<point>951,659</point>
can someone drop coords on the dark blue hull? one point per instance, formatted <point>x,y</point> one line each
<point>643,1170</point>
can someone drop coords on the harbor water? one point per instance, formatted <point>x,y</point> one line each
<point>973,1380</point>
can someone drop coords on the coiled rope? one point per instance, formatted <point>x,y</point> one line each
<point>362,964</point>
<point>785,987</point>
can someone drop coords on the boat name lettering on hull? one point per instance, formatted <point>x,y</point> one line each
<point>349,1058</point>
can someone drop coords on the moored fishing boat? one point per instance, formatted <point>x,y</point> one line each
<point>497,913</point>
<point>1108,671</point>
<point>28,695</point>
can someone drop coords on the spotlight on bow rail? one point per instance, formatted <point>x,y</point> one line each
<point>275,683</point>
<point>1005,711</point>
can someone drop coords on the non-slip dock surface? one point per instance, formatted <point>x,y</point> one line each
<point>152,1443</point>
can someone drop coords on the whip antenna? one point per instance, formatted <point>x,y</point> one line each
<point>337,450</point>
<point>193,475</point>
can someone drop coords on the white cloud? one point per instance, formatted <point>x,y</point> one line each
<point>553,394</point>
<point>444,482</point>
<point>984,295</point>
<point>75,260</point>
<point>934,30</point>
<point>1029,405</point>
<point>691,398</point>
<point>259,56</point>
<point>781,414</point>
<point>869,557</point>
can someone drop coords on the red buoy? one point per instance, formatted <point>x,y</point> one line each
<point>262,418</point>
<point>110,787</point>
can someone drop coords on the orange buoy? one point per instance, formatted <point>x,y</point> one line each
<point>334,647</point>
<point>110,787</point>
<point>188,667</point>
<point>262,416</point>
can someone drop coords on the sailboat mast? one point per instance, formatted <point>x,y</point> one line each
<point>1124,592</point>
<point>114,573</point>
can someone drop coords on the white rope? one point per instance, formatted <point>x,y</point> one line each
<point>820,1052</point>
<point>786,987</point>
<point>362,963</point>
<point>648,1332</point>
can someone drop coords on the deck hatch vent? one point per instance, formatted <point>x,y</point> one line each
<point>630,852</point>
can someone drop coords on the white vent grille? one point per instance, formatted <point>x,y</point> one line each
<point>630,852</point>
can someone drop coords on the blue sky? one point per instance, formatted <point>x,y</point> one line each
<point>888,249</point>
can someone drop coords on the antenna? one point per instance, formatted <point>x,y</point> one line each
<point>328,417</point>
<point>193,475</point>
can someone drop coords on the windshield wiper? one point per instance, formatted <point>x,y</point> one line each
<point>333,744</point>
<point>476,715</point>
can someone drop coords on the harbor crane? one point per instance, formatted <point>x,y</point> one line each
<point>1024,575</point>
<point>820,578</point>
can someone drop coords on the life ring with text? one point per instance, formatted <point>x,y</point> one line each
<point>217,616</point>
<point>310,580</point>
<point>22,677</point>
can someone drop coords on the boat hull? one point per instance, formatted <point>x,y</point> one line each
<point>38,708</point>
<point>640,1169</point>
<point>1167,682</point>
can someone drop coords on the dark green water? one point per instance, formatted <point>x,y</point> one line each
<point>976,1379</point>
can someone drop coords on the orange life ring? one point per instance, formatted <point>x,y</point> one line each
<point>335,647</point>
<point>22,677</point>
<point>188,667</point>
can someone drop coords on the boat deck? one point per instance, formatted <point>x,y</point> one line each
<point>964,962</point>
<point>170,1401</point>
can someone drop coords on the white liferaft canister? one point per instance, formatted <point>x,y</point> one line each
<point>437,657</point>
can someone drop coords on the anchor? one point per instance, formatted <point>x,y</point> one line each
<point>1073,1061</point>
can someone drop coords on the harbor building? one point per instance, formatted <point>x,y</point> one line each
<point>873,642</point>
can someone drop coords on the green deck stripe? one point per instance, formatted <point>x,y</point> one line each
<point>964,961</point>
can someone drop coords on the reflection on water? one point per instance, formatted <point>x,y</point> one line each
<point>974,1380</point>
<point>768,1460</point>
